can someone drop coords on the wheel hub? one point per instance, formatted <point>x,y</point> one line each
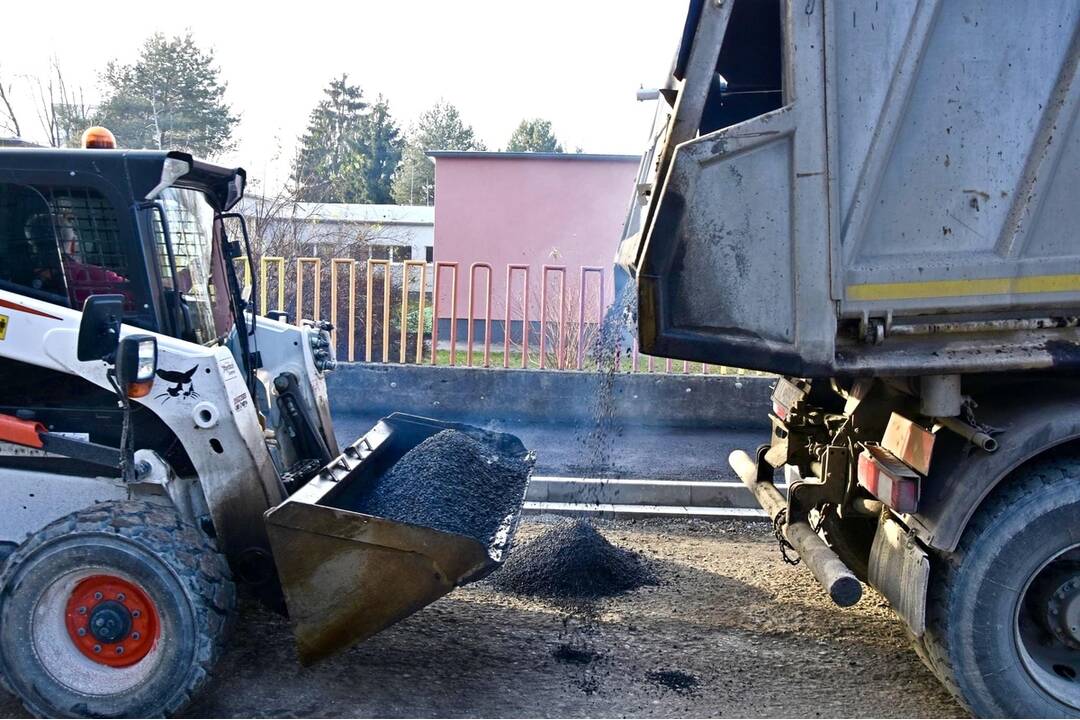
<point>111,620</point>
<point>1063,612</point>
<point>1057,594</point>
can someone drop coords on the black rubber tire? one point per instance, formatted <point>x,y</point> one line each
<point>974,591</point>
<point>177,566</point>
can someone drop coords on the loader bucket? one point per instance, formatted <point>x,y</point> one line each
<point>347,575</point>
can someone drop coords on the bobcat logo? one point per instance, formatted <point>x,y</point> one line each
<point>179,380</point>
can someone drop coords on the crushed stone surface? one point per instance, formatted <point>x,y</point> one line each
<point>761,638</point>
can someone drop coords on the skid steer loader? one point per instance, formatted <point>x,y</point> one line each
<point>161,443</point>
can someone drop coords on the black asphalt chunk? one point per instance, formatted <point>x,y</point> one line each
<point>571,655</point>
<point>453,483</point>
<point>571,560</point>
<point>675,680</point>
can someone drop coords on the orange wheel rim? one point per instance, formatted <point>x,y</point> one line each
<point>111,620</point>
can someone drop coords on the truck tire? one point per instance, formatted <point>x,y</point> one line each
<point>1003,611</point>
<point>118,610</point>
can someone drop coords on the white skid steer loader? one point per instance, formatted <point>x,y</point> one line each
<point>161,443</point>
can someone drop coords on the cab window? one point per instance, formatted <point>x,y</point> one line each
<point>61,244</point>
<point>191,272</point>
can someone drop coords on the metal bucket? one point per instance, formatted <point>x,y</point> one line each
<point>347,575</point>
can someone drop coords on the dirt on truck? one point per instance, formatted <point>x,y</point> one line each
<point>875,201</point>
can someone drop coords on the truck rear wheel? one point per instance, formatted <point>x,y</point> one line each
<point>1003,617</point>
<point>119,610</point>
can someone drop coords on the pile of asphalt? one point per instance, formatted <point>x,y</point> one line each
<point>572,561</point>
<point>453,483</point>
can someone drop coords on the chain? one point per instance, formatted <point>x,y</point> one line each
<point>778,523</point>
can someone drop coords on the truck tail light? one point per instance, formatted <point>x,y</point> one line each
<point>885,477</point>
<point>785,395</point>
<point>779,410</point>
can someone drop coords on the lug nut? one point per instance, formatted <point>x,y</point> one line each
<point>135,636</point>
<point>82,611</point>
<point>135,613</point>
<point>119,649</point>
<point>121,597</point>
<point>97,648</point>
<point>98,596</point>
<point>82,632</point>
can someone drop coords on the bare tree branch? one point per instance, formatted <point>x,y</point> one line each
<point>61,112</point>
<point>12,122</point>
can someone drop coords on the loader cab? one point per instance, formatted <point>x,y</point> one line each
<point>145,225</point>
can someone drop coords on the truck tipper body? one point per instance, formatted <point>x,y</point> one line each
<point>877,202</point>
<point>900,196</point>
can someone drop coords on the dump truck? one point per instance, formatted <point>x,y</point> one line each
<point>877,203</point>
<point>162,444</point>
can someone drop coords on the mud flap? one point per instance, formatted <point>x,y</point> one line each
<point>347,575</point>
<point>900,570</point>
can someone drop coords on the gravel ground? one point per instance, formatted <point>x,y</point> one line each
<point>731,631</point>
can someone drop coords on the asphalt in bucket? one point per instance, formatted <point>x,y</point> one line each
<point>572,561</point>
<point>454,483</point>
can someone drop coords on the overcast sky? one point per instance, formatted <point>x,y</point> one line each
<point>577,63</point>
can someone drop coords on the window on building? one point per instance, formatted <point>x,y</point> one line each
<point>61,244</point>
<point>429,254</point>
<point>381,252</point>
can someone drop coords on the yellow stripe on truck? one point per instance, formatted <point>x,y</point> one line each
<point>963,288</point>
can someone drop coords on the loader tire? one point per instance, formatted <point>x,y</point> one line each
<point>118,610</point>
<point>1003,610</point>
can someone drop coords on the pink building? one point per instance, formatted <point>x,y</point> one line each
<point>530,209</point>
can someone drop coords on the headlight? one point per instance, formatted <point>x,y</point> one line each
<point>136,363</point>
<point>147,360</point>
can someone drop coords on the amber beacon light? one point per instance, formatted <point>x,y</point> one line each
<point>98,138</point>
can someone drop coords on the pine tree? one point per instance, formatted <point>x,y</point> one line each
<point>534,136</point>
<point>381,145</point>
<point>439,128</point>
<point>171,98</point>
<point>328,167</point>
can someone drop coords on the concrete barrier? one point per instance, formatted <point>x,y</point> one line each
<point>731,402</point>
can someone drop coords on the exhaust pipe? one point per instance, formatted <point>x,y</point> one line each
<point>836,577</point>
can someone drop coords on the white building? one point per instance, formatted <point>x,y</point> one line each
<point>393,232</point>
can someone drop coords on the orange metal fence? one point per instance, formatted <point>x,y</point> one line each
<point>402,304</point>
